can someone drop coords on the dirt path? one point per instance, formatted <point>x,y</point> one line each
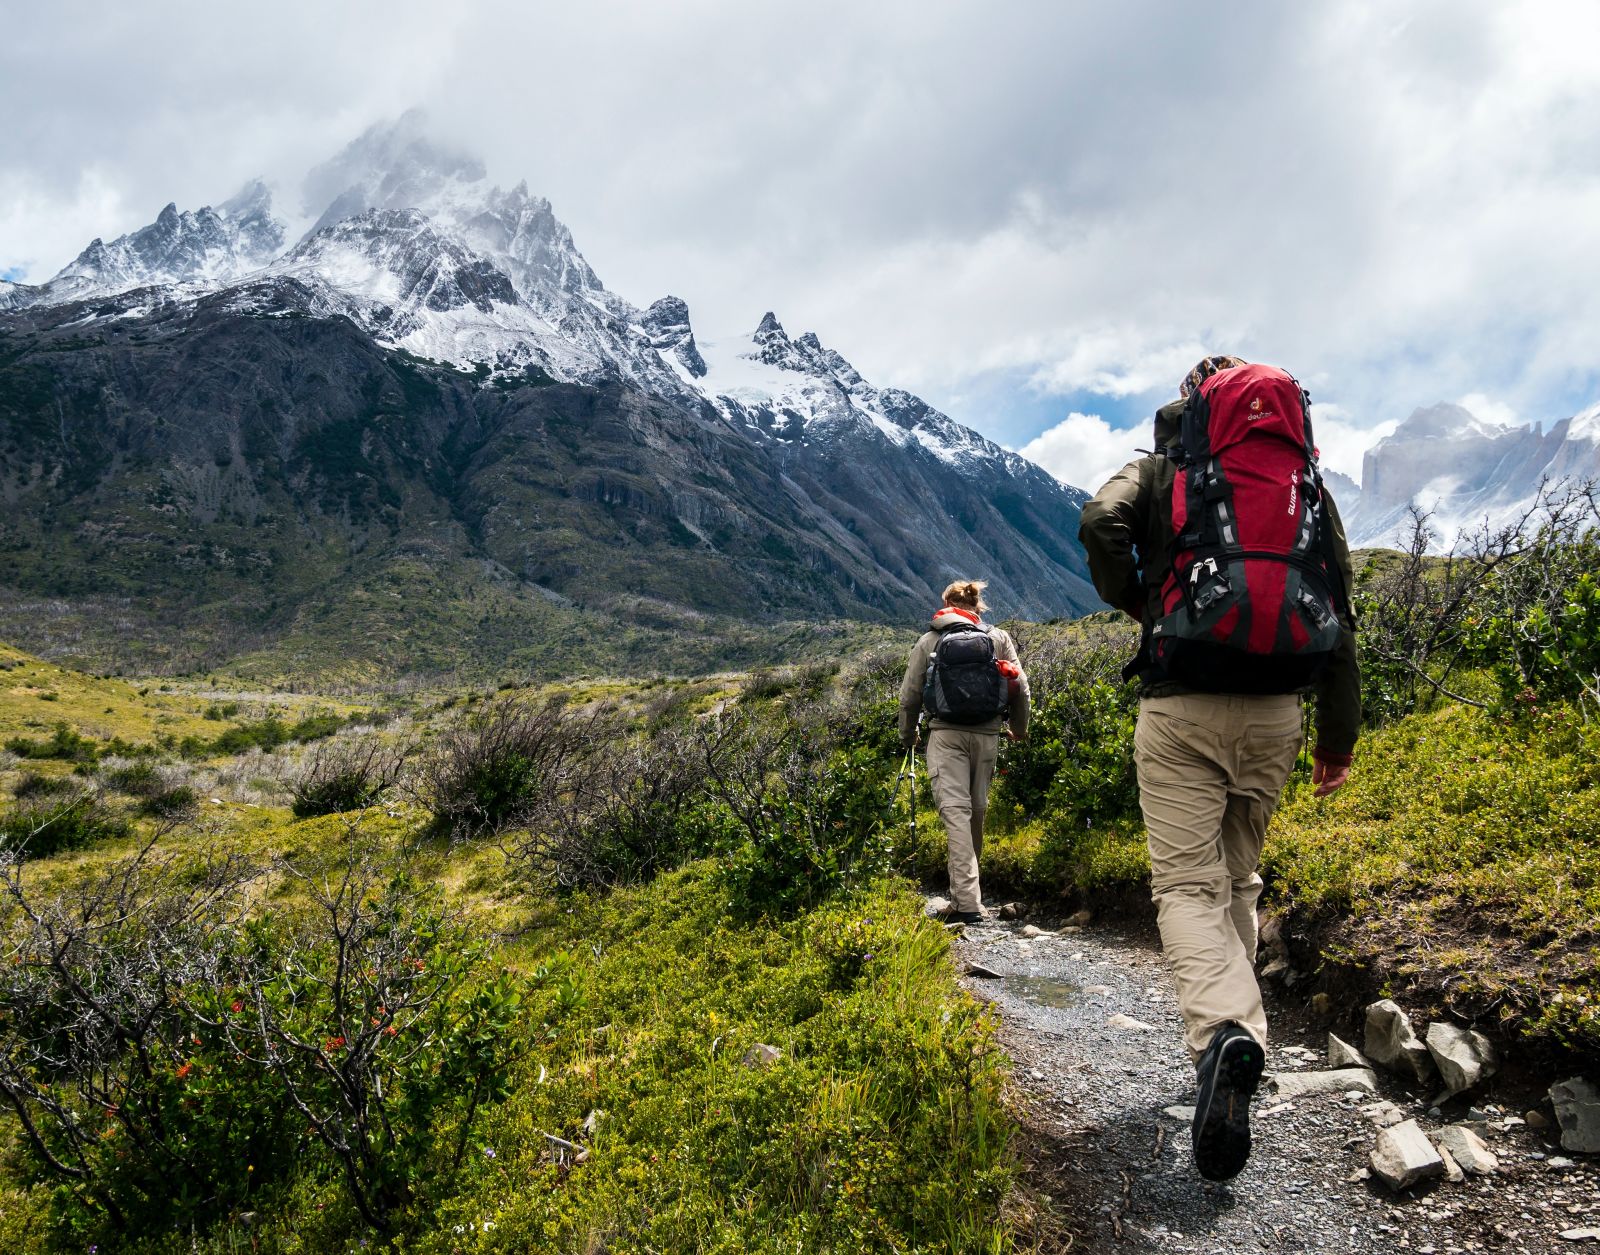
<point>1095,1090</point>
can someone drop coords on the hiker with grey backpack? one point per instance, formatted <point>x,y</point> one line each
<point>1226,548</point>
<point>965,677</point>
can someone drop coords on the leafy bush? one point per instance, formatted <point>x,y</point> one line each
<point>171,1054</point>
<point>373,1020</point>
<point>346,775</point>
<point>497,766</point>
<point>1078,757</point>
<point>143,1119</point>
<point>49,824</point>
<point>136,779</point>
<point>812,820</point>
<point>266,734</point>
<point>634,805</point>
<point>315,727</point>
<point>32,785</point>
<point>63,743</point>
<point>170,800</point>
<point>1513,600</point>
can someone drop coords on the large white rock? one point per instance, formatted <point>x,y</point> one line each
<point>1577,1104</point>
<point>1405,1157</point>
<point>1469,1150</point>
<point>1343,1080</point>
<point>1341,1054</point>
<point>1391,1042</point>
<point>1462,1056</point>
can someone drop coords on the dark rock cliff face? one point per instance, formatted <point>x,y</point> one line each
<point>277,480</point>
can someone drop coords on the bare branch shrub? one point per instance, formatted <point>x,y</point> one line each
<point>499,765</point>
<point>97,1037</point>
<point>631,805</point>
<point>1424,618</point>
<point>345,774</point>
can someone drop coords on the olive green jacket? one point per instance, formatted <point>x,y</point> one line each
<point>1125,530</point>
<point>917,671</point>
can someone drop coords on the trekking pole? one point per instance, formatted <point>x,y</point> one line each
<point>916,740</point>
<point>908,771</point>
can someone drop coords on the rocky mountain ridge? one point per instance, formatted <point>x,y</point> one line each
<point>1464,471</point>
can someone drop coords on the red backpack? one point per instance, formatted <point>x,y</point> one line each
<point>1251,602</point>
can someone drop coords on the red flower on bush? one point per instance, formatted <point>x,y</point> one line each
<point>332,1044</point>
<point>185,1070</point>
<point>237,1006</point>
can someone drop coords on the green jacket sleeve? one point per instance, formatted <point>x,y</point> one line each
<point>911,687</point>
<point>1113,523</point>
<point>1338,688</point>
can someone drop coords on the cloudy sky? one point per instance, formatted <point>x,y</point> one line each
<point>1036,215</point>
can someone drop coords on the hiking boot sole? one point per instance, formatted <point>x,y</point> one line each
<point>1222,1126</point>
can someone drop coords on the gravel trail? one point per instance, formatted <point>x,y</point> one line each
<point>1094,1089</point>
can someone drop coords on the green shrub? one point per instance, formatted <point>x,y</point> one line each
<point>63,743</point>
<point>635,804</point>
<point>170,802</point>
<point>263,734</point>
<point>181,1058</point>
<point>137,779</point>
<point>345,776</point>
<point>1077,760</point>
<point>145,1118</point>
<point>50,824</point>
<point>809,827</point>
<point>499,765</point>
<point>32,785</point>
<point>376,1017</point>
<point>315,727</point>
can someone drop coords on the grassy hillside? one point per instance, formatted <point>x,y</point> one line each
<point>672,1038</point>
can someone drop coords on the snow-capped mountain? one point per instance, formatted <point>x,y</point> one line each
<point>415,245</point>
<point>1465,471</point>
<point>432,377</point>
<point>204,247</point>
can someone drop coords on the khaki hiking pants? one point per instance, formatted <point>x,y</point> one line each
<point>960,767</point>
<point>1211,768</point>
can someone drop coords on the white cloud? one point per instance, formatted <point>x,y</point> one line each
<point>1490,410</point>
<point>1084,450</point>
<point>1342,442</point>
<point>940,190</point>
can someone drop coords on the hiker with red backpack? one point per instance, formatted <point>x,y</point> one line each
<point>966,677</point>
<point>1226,547</point>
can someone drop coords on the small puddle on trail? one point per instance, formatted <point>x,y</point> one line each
<point>1041,991</point>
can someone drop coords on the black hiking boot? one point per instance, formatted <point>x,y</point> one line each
<point>964,917</point>
<point>1227,1074</point>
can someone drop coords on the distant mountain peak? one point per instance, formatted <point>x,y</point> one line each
<point>1464,470</point>
<point>667,324</point>
<point>390,165</point>
<point>1446,420</point>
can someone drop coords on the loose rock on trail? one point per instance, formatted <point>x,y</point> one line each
<point>1091,1023</point>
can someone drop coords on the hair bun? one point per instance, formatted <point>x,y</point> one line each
<point>967,593</point>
